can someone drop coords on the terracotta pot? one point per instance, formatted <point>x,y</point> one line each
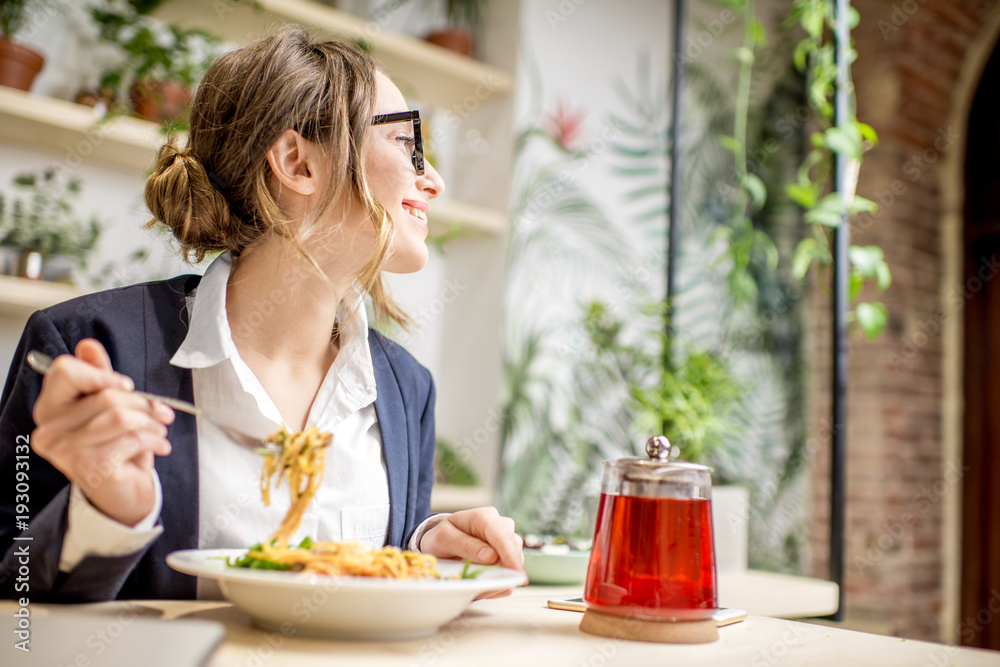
<point>19,65</point>
<point>160,101</point>
<point>453,39</point>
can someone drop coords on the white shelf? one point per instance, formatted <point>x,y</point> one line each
<point>437,76</point>
<point>443,212</point>
<point>20,297</point>
<point>448,498</point>
<point>74,131</point>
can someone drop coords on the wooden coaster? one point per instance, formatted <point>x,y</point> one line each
<point>645,630</point>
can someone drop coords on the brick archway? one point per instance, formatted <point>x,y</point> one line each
<point>919,63</point>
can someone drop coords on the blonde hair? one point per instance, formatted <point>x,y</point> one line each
<point>213,194</point>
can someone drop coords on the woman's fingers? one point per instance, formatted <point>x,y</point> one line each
<point>124,430</point>
<point>93,353</point>
<point>70,378</point>
<point>447,540</point>
<point>82,411</point>
<point>99,434</point>
<point>497,531</point>
<point>480,535</point>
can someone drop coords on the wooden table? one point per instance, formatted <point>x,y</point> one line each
<point>521,631</point>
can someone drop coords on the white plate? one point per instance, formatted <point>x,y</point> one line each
<point>344,607</point>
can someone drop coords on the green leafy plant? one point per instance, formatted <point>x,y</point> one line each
<point>152,50</point>
<point>691,401</point>
<point>466,14</point>
<point>450,468</point>
<point>12,16</point>
<point>745,242</point>
<point>815,57</point>
<point>39,216</point>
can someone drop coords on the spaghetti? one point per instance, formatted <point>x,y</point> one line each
<point>302,459</point>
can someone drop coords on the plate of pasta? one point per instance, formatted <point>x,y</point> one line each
<point>341,605</point>
<point>334,589</point>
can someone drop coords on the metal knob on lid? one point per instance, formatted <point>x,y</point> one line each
<point>658,447</point>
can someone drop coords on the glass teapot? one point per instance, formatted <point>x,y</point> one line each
<point>653,555</point>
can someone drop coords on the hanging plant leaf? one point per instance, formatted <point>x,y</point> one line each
<point>872,317</point>
<point>756,188</point>
<point>805,253</point>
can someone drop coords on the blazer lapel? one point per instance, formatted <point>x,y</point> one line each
<point>392,423</point>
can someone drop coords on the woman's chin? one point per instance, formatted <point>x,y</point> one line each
<point>410,262</point>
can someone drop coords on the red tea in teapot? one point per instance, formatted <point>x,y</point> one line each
<point>653,558</point>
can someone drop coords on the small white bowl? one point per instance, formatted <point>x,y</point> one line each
<point>555,567</point>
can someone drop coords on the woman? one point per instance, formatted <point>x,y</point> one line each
<point>305,171</point>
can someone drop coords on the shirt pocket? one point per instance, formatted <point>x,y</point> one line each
<point>367,525</point>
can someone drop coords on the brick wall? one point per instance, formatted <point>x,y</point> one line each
<point>910,56</point>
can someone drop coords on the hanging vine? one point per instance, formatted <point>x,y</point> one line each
<point>815,57</point>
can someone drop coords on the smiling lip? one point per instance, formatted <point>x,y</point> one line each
<point>416,209</point>
<point>415,203</point>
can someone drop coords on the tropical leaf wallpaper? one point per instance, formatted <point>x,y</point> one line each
<point>586,278</point>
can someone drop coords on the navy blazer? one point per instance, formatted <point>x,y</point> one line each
<point>141,326</point>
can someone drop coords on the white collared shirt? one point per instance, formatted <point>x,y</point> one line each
<point>352,503</point>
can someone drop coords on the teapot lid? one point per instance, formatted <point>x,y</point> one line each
<point>658,450</point>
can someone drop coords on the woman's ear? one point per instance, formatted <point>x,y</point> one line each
<point>294,163</point>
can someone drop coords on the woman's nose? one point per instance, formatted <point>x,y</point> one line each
<point>430,181</point>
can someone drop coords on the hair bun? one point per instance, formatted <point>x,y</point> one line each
<point>180,195</point>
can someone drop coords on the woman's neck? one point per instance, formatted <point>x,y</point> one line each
<point>282,311</point>
<point>280,306</point>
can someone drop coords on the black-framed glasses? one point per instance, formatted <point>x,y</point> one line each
<point>418,139</point>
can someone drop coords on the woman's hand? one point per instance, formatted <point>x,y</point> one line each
<point>100,435</point>
<point>480,535</point>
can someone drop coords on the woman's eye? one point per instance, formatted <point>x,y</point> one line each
<point>406,139</point>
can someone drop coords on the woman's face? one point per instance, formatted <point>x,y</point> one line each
<point>395,184</point>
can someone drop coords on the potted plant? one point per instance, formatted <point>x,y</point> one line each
<point>38,223</point>
<point>161,63</point>
<point>465,19</point>
<point>19,64</point>
<point>692,396</point>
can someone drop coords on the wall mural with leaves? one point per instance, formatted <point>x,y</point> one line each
<point>583,338</point>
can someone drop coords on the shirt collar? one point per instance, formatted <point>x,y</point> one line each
<point>209,339</point>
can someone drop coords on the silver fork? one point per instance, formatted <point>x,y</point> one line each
<point>42,362</point>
